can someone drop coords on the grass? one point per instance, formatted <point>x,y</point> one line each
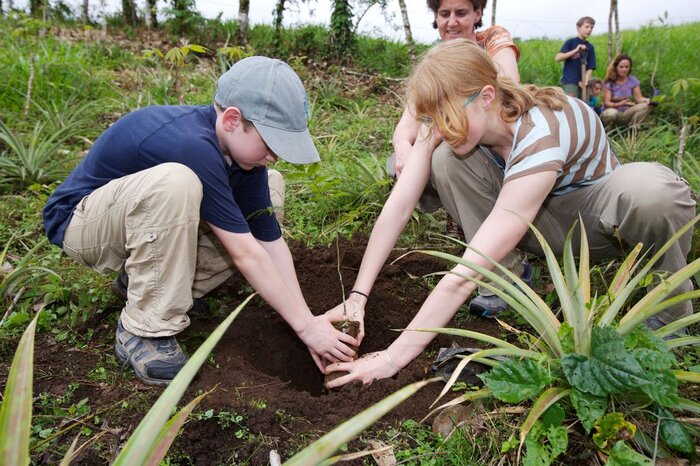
<point>86,85</point>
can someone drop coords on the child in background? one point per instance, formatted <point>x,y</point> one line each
<point>595,95</point>
<point>575,53</point>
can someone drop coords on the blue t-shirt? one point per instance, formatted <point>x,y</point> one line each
<point>234,199</point>
<point>572,65</point>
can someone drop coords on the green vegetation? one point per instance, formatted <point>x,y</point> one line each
<point>64,83</point>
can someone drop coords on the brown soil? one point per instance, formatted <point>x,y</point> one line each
<point>258,362</point>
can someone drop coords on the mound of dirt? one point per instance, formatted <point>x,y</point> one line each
<point>261,370</point>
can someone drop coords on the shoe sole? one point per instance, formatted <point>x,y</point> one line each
<point>145,379</point>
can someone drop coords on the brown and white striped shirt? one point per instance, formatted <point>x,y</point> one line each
<point>571,141</point>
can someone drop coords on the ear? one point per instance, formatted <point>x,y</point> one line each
<point>478,14</point>
<point>231,118</point>
<point>488,96</point>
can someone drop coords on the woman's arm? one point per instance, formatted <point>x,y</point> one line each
<point>638,97</point>
<point>403,139</point>
<point>393,218</point>
<point>507,63</point>
<point>517,204</point>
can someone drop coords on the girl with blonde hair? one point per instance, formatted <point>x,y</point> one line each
<point>558,165</point>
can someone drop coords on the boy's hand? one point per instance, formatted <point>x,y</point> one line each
<point>353,308</point>
<point>326,342</point>
<point>368,368</point>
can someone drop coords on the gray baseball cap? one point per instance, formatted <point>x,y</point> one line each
<point>270,94</point>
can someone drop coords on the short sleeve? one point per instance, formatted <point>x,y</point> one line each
<point>495,39</point>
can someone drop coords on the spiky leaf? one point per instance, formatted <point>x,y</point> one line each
<point>514,381</point>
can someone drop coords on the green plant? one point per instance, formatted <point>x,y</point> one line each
<point>39,159</point>
<point>15,280</point>
<point>324,447</point>
<point>600,365</point>
<point>149,442</point>
<point>175,59</point>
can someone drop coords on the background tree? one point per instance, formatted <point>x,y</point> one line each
<point>278,16</point>
<point>618,40</point>
<point>243,10</point>
<point>341,41</point>
<point>38,9</point>
<point>493,12</point>
<point>84,12</point>
<point>152,14</point>
<point>129,12</point>
<point>407,30</point>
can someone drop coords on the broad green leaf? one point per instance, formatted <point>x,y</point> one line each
<point>663,388</point>
<point>566,336</point>
<point>622,455</point>
<point>589,408</point>
<point>518,353</point>
<point>16,409</point>
<point>612,427</point>
<point>610,368</point>
<point>675,435</point>
<point>326,445</point>
<point>144,438</point>
<point>514,381</point>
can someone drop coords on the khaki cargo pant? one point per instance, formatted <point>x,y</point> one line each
<point>637,203</point>
<point>430,201</point>
<point>148,223</point>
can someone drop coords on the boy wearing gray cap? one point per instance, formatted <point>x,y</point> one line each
<point>135,202</point>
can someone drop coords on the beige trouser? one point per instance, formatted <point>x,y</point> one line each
<point>638,202</point>
<point>148,223</point>
<point>632,117</point>
<point>430,201</point>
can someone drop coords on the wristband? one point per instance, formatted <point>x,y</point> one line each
<point>358,292</point>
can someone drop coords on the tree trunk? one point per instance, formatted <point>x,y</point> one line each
<point>618,37</point>
<point>129,12</point>
<point>152,14</point>
<point>85,15</point>
<point>407,31</point>
<point>277,24</point>
<point>342,40</point>
<point>493,12</point>
<point>243,10</point>
<point>613,12</point>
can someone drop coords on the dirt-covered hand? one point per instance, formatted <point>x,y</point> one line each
<point>326,341</point>
<point>368,368</point>
<point>353,308</point>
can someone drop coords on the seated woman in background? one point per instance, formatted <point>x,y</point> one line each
<point>623,102</point>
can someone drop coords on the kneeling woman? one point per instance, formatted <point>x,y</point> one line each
<point>557,164</point>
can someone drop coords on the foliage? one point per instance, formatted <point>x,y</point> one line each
<point>36,159</point>
<point>597,363</point>
<point>329,443</point>
<point>151,440</point>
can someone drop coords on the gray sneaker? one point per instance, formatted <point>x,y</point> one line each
<point>654,323</point>
<point>156,361</point>
<point>491,306</point>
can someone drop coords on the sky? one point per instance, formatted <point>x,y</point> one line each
<point>525,19</point>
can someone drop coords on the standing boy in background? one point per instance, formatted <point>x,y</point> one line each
<point>574,52</point>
